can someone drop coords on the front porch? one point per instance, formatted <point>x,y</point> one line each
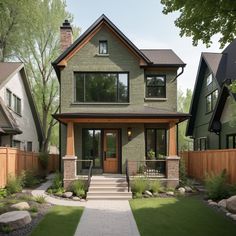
<point>120,146</point>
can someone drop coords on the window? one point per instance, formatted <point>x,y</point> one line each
<point>101,87</point>
<point>231,141</point>
<point>209,79</point>
<point>8,98</point>
<point>103,47</point>
<point>92,146</point>
<point>16,143</point>
<point>155,86</point>
<point>155,143</point>
<point>29,146</point>
<point>211,101</point>
<point>200,144</point>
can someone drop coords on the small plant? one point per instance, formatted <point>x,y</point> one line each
<point>57,181</point>
<point>182,171</point>
<point>3,193</point>
<point>40,199</point>
<point>50,191</point>
<point>138,195</point>
<point>141,169</point>
<point>29,179</point>
<point>6,229</point>
<point>155,186</point>
<point>14,184</point>
<point>216,186</point>
<point>139,185</point>
<point>26,197</point>
<point>78,188</point>
<point>151,154</point>
<point>43,160</point>
<point>33,209</point>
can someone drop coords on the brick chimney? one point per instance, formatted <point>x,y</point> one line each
<point>66,35</point>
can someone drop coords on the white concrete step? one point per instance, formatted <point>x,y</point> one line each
<point>107,189</point>
<point>107,194</point>
<point>118,185</point>
<point>109,197</point>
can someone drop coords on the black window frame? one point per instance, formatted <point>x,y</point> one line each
<point>198,144</point>
<point>146,86</point>
<point>117,89</point>
<point>29,146</point>
<point>210,74</point>
<point>212,102</point>
<point>9,98</point>
<point>155,141</point>
<point>234,139</point>
<point>106,43</point>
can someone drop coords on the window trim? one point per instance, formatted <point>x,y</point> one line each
<point>212,105</point>
<point>227,140</point>
<point>155,75</point>
<point>102,103</point>
<point>99,50</point>
<point>211,79</point>
<point>10,93</point>
<point>155,137</point>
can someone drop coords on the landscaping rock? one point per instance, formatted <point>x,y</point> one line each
<point>228,214</point>
<point>209,201</point>
<point>170,193</point>
<point>222,203</point>
<point>155,195</point>
<point>148,193</point>
<point>146,196</point>
<point>181,190</point>
<point>67,194</point>
<point>233,216</point>
<point>213,203</point>
<point>15,219</point>
<point>188,189</point>
<point>231,204</point>
<point>76,198</point>
<point>20,206</point>
<point>82,200</point>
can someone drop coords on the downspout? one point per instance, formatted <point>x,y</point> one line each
<point>181,72</point>
<point>177,138</point>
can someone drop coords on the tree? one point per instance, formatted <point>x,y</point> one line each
<point>204,18</point>
<point>184,102</point>
<point>39,47</point>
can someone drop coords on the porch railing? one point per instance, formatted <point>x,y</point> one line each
<point>84,173</point>
<point>127,174</point>
<point>148,168</point>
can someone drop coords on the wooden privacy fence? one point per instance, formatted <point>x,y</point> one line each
<point>199,163</point>
<point>13,161</point>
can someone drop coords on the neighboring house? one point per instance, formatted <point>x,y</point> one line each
<point>213,108</point>
<point>117,102</point>
<point>19,121</point>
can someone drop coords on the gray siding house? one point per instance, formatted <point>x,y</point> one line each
<point>213,121</point>
<point>117,102</point>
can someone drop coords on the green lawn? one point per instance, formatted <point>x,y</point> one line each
<point>179,217</point>
<point>60,221</point>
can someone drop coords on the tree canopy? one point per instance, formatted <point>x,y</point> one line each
<point>203,19</point>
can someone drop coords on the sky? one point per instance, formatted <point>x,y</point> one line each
<point>147,27</point>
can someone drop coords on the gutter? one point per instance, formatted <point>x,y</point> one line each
<point>181,72</point>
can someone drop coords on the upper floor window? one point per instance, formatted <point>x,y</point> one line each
<point>103,47</point>
<point>155,86</point>
<point>211,101</point>
<point>102,87</point>
<point>8,97</point>
<point>209,79</point>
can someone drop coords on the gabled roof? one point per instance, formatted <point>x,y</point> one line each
<point>7,70</point>
<point>223,67</point>
<point>149,57</point>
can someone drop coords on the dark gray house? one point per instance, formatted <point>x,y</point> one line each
<point>213,109</point>
<point>117,102</point>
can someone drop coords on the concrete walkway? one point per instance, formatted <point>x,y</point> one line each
<point>41,191</point>
<point>106,218</point>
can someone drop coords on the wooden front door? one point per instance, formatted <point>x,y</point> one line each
<point>111,151</point>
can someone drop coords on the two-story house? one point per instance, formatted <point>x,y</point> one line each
<point>117,102</point>
<point>20,125</point>
<point>213,108</point>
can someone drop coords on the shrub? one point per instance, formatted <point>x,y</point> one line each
<point>138,195</point>
<point>216,186</point>
<point>33,209</point>
<point>3,193</point>
<point>14,184</point>
<point>29,179</point>
<point>78,188</point>
<point>43,160</point>
<point>155,186</point>
<point>26,197</point>
<point>40,199</point>
<point>139,185</point>
<point>57,181</point>
<point>182,171</point>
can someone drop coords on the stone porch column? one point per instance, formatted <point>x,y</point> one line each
<point>70,158</point>
<point>172,161</point>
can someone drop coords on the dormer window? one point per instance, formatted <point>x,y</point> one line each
<point>103,47</point>
<point>209,79</point>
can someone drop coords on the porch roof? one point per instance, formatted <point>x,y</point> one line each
<point>145,115</point>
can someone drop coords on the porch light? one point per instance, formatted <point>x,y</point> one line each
<point>129,133</point>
